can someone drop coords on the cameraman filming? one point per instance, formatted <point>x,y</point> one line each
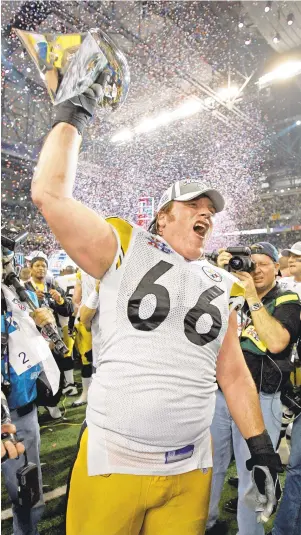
<point>53,297</point>
<point>269,326</point>
<point>25,360</point>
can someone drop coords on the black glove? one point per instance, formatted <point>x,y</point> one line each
<point>265,464</point>
<point>79,110</point>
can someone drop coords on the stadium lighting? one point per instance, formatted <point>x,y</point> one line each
<point>241,24</point>
<point>276,38</point>
<point>290,19</point>
<point>227,93</point>
<point>123,135</point>
<point>298,123</point>
<point>189,107</point>
<point>268,7</point>
<point>282,72</point>
<point>146,125</point>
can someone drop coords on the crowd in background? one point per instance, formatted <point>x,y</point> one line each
<point>26,217</point>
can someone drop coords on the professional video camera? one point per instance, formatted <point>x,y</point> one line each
<point>241,259</point>
<point>10,278</point>
<point>27,475</point>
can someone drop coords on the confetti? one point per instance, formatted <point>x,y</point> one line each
<point>175,51</point>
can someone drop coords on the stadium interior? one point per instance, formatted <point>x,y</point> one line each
<point>200,105</point>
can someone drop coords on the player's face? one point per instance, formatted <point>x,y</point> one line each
<point>39,270</point>
<point>294,264</point>
<point>187,226</point>
<point>265,272</point>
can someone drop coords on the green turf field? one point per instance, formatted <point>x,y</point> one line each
<point>58,447</point>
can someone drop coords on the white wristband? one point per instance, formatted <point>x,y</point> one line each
<point>93,300</point>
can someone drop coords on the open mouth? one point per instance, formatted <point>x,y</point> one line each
<point>200,229</point>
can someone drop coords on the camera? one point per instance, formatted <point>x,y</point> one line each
<point>8,246</point>
<point>212,257</point>
<point>28,485</point>
<point>10,278</point>
<point>291,397</point>
<point>241,259</point>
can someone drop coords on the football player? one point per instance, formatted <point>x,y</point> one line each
<point>89,316</point>
<point>83,338</point>
<point>67,281</point>
<point>168,331</point>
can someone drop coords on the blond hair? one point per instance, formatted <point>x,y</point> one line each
<point>165,210</point>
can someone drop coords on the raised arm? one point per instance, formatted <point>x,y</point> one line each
<point>87,238</point>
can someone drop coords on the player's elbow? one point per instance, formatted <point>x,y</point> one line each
<point>40,197</point>
<point>277,346</point>
<point>37,196</point>
<point>279,343</point>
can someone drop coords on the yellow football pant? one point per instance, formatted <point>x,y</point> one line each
<point>83,341</point>
<point>121,504</point>
<point>68,341</point>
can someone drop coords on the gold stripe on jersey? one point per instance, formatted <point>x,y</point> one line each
<point>124,230</point>
<point>237,296</point>
<point>286,299</point>
<point>78,276</point>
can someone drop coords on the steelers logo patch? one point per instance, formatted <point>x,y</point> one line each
<point>213,275</point>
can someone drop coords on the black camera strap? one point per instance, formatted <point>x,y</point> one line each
<point>4,341</point>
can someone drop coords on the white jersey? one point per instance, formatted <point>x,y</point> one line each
<point>289,283</point>
<point>162,322</point>
<point>95,330</point>
<point>67,283</point>
<point>87,283</point>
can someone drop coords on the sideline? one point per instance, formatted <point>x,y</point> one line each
<point>48,496</point>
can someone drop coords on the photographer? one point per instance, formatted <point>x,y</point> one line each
<point>269,328</point>
<point>54,298</point>
<point>25,360</point>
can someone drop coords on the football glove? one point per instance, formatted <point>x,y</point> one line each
<point>79,110</point>
<point>265,491</point>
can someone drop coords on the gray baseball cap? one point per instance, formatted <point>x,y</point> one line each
<point>295,249</point>
<point>186,190</point>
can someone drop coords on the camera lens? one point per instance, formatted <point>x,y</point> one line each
<point>236,263</point>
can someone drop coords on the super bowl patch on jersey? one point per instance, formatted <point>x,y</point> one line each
<point>212,274</point>
<point>158,244</point>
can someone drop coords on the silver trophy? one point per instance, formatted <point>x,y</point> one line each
<point>70,63</point>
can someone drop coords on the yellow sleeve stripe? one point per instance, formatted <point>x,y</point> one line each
<point>237,296</point>
<point>79,275</point>
<point>286,298</point>
<point>124,230</point>
<point>237,290</point>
